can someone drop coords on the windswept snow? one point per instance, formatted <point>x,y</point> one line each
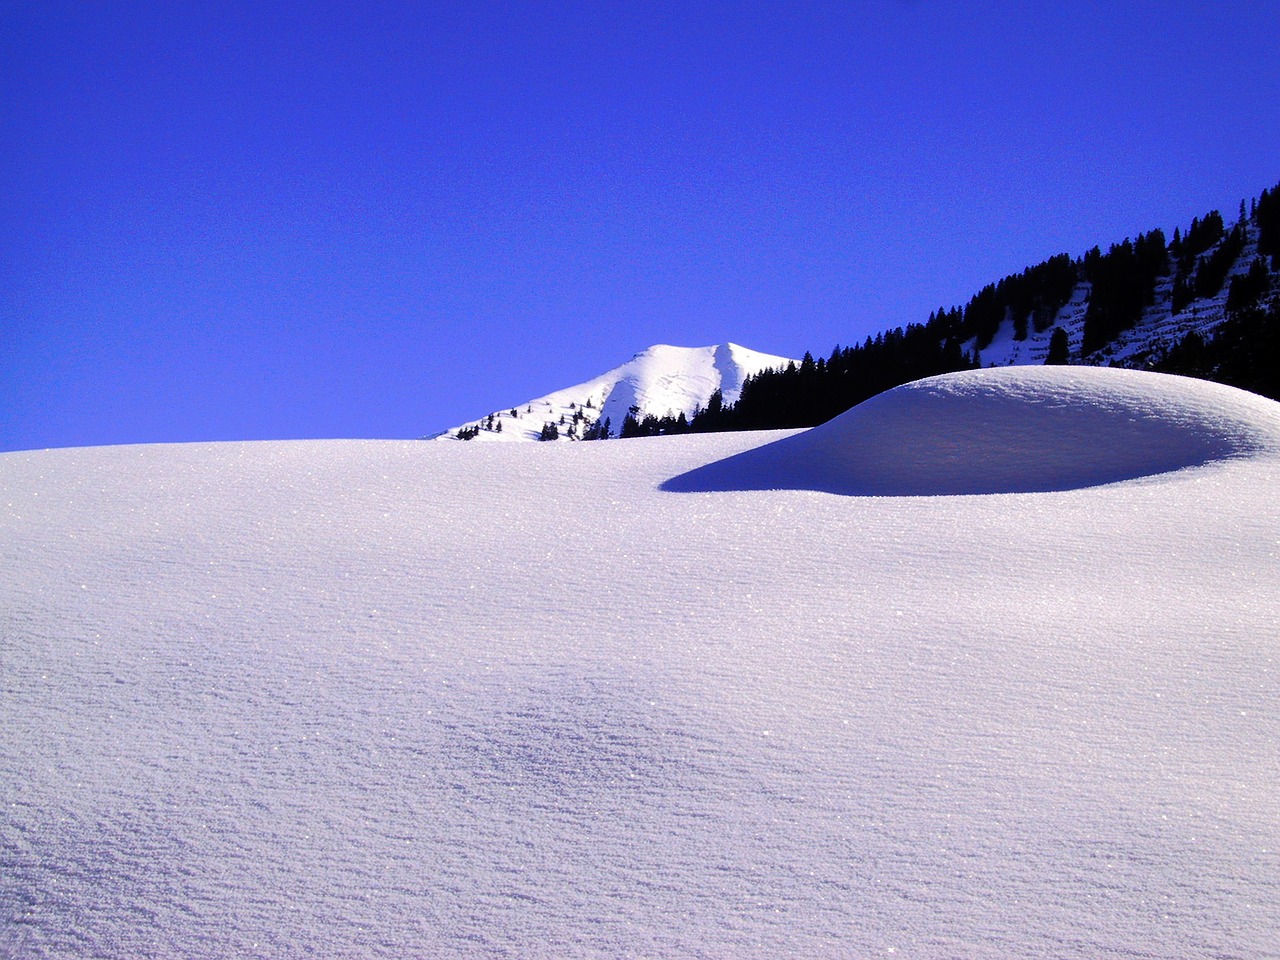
<point>662,381</point>
<point>1009,430</point>
<point>379,699</point>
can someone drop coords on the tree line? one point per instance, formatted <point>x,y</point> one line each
<point>1121,284</point>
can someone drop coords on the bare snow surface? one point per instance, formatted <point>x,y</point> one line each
<point>383,699</point>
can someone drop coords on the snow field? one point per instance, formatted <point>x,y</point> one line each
<point>388,699</point>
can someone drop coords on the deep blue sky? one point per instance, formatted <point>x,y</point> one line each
<point>259,220</point>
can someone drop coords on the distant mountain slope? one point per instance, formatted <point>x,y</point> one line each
<point>1159,326</point>
<point>660,381</point>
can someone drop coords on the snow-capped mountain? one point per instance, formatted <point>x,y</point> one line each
<point>662,380</point>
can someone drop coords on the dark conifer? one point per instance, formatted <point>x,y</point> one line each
<point>1248,288</point>
<point>1059,347</point>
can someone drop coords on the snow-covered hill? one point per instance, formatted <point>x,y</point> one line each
<point>1009,430</point>
<point>400,699</point>
<point>662,380</point>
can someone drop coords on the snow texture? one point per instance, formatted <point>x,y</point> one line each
<point>388,699</point>
<point>662,381</point>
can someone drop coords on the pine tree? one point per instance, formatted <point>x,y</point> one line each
<point>1268,219</point>
<point>1248,288</point>
<point>1059,348</point>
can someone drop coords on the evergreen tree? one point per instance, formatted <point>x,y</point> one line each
<point>1243,352</point>
<point>631,423</point>
<point>1059,347</point>
<point>600,430</point>
<point>1268,219</point>
<point>1123,284</point>
<point>1212,270</point>
<point>1183,293</point>
<point>1247,288</point>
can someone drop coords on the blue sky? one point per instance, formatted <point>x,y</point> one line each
<point>269,220</point>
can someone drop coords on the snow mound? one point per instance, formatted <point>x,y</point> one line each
<point>1008,430</point>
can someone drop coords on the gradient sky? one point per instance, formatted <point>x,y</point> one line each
<point>271,220</point>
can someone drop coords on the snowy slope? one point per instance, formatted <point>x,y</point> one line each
<point>1158,330</point>
<point>661,380</point>
<point>388,699</point>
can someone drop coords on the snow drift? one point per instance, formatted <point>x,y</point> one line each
<point>404,699</point>
<point>1009,430</point>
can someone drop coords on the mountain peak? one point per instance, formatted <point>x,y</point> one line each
<point>661,380</point>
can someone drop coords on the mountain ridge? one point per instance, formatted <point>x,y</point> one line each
<point>1202,304</point>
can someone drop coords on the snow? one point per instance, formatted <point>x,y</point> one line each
<point>385,699</point>
<point>662,380</point>
<point>1009,430</point>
